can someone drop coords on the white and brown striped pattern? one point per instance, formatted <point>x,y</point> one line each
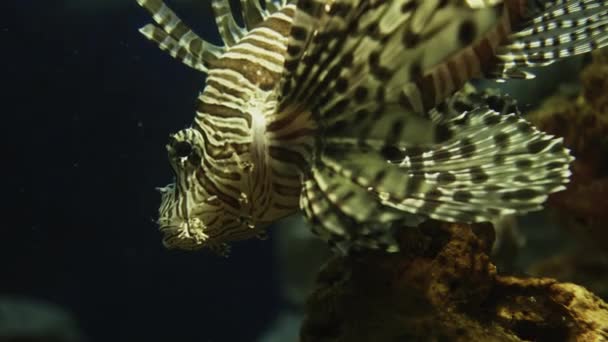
<point>376,73</point>
<point>347,109</point>
<point>239,167</point>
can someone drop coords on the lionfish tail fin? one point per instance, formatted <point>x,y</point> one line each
<point>560,29</point>
<point>177,39</point>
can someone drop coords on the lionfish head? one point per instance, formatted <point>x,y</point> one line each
<point>191,216</point>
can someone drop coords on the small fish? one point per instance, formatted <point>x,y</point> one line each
<point>358,112</point>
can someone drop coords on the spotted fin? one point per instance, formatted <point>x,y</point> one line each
<point>469,98</point>
<point>395,129</point>
<point>494,165</point>
<point>560,29</point>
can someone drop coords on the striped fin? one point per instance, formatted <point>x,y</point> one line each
<point>495,165</point>
<point>346,215</point>
<point>252,13</point>
<point>178,39</point>
<point>354,61</point>
<point>230,31</point>
<point>562,29</point>
<point>355,202</point>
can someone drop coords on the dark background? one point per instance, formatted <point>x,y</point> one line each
<point>88,104</point>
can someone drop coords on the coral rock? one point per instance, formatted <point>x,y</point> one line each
<point>443,287</point>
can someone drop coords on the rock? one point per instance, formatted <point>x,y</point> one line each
<point>446,291</point>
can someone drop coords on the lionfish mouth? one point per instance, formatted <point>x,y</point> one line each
<point>183,234</point>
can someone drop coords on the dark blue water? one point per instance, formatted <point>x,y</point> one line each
<point>87,106</point>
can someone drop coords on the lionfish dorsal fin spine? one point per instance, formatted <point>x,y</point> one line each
<point>252,13</point>
<point>273,6</point>
<point>368,67</point>
<point>174,37</point>
<point>229,30</point>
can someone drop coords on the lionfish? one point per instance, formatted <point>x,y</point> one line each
<point>359,112</point>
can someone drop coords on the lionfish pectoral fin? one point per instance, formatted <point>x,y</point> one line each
<point>561,29</point>
<point>395,126</point>
<point>346,215</point>
<point>469,98</point>
<point>493,165</point>
<point>177,39</point>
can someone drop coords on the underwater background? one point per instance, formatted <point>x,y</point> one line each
<point>89,104</point>
<point>84,130</point>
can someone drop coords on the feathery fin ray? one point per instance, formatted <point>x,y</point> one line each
<point>561,29</point>
<point>494,164</point>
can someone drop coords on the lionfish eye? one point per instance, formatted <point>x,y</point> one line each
<point>182,148</point>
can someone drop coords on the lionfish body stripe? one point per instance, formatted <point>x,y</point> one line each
<point>359,113</point>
